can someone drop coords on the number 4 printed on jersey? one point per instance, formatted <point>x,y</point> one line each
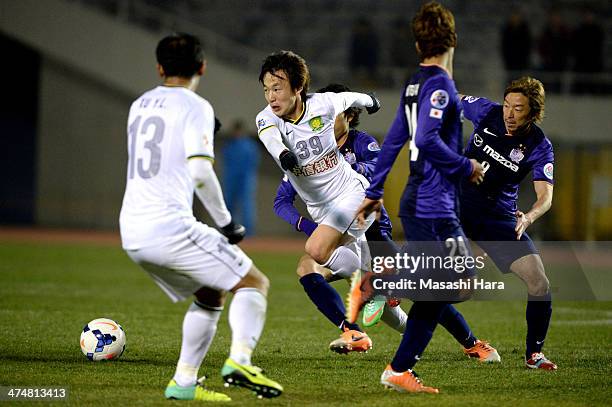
<point>411,118</point>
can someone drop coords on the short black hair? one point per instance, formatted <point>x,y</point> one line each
<point>180,54</point>
<point>294,66</point>
<point>353,111</point>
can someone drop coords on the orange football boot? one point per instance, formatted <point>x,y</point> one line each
<point>483,351</point>
<point>351,341</point>
<point>406,381</point>
<point>359,294</point>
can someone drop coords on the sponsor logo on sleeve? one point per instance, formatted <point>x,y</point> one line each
<point>436,113</point>
<point>439,99</point>
<point>261,123</point>
<point>548,171</point>
<point>471,99</point>
<point>373,146</point>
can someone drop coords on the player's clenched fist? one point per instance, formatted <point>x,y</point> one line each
<point>234,232</point>
<point>478,172</point>
<point>288,160</point>
<point>375,104</point>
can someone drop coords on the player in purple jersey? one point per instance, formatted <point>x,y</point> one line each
<point>361,151</point>
<point>428,115</point>
<point>510,145</point>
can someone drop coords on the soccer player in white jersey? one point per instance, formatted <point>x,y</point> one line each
<point>170,146</point>
<point>298,131</point>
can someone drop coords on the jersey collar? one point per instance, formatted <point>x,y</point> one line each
<point>437,66</point>
<point>296,121</point>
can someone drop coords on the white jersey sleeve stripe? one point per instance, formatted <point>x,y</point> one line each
<point>265,128</point>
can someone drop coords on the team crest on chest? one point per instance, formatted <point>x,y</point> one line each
<point>517,155</point>
<point>316,123</point>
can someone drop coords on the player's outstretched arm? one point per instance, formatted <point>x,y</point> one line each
<point>344,100</point>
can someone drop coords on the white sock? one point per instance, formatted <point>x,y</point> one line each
<point>247,315</point>
<point>343,262</point>
<point>199,328</point>
<point>395,317</point>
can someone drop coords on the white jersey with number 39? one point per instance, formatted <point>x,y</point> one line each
<point>166,125</point>
<point>323,174</point>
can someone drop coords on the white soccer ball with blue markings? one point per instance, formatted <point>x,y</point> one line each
<point>102,339</point>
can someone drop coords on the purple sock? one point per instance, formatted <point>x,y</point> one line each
<point>422,320</point>
<point>326,299</point>
<point>455,324</point>
<point>539,311</point>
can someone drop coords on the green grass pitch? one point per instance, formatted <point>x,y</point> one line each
<point>49,291</point>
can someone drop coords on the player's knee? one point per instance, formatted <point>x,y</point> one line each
<point>209,297</point>
<point>318,252</point>
<point>314,250</point>
<point>264,284</point>
<point>305,266</point>
<point>254,279</point>
<point>540,286</point>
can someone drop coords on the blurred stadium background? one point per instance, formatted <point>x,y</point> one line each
<point>72,67</point>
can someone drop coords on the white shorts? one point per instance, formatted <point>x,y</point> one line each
<point>340,214</point>
<point>200,257</point>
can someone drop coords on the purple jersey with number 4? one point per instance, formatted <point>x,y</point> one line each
<point>507,159</point>
<point>429,116</point>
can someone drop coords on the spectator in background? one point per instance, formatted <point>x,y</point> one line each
<point>554,50</point>
<point>363,56</point>
<point>240,164</point>
<point>588,53</point>
<point>403,53</point>
<point>516,45</point>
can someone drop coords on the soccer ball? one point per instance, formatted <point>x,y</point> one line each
<point>102,339</point>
